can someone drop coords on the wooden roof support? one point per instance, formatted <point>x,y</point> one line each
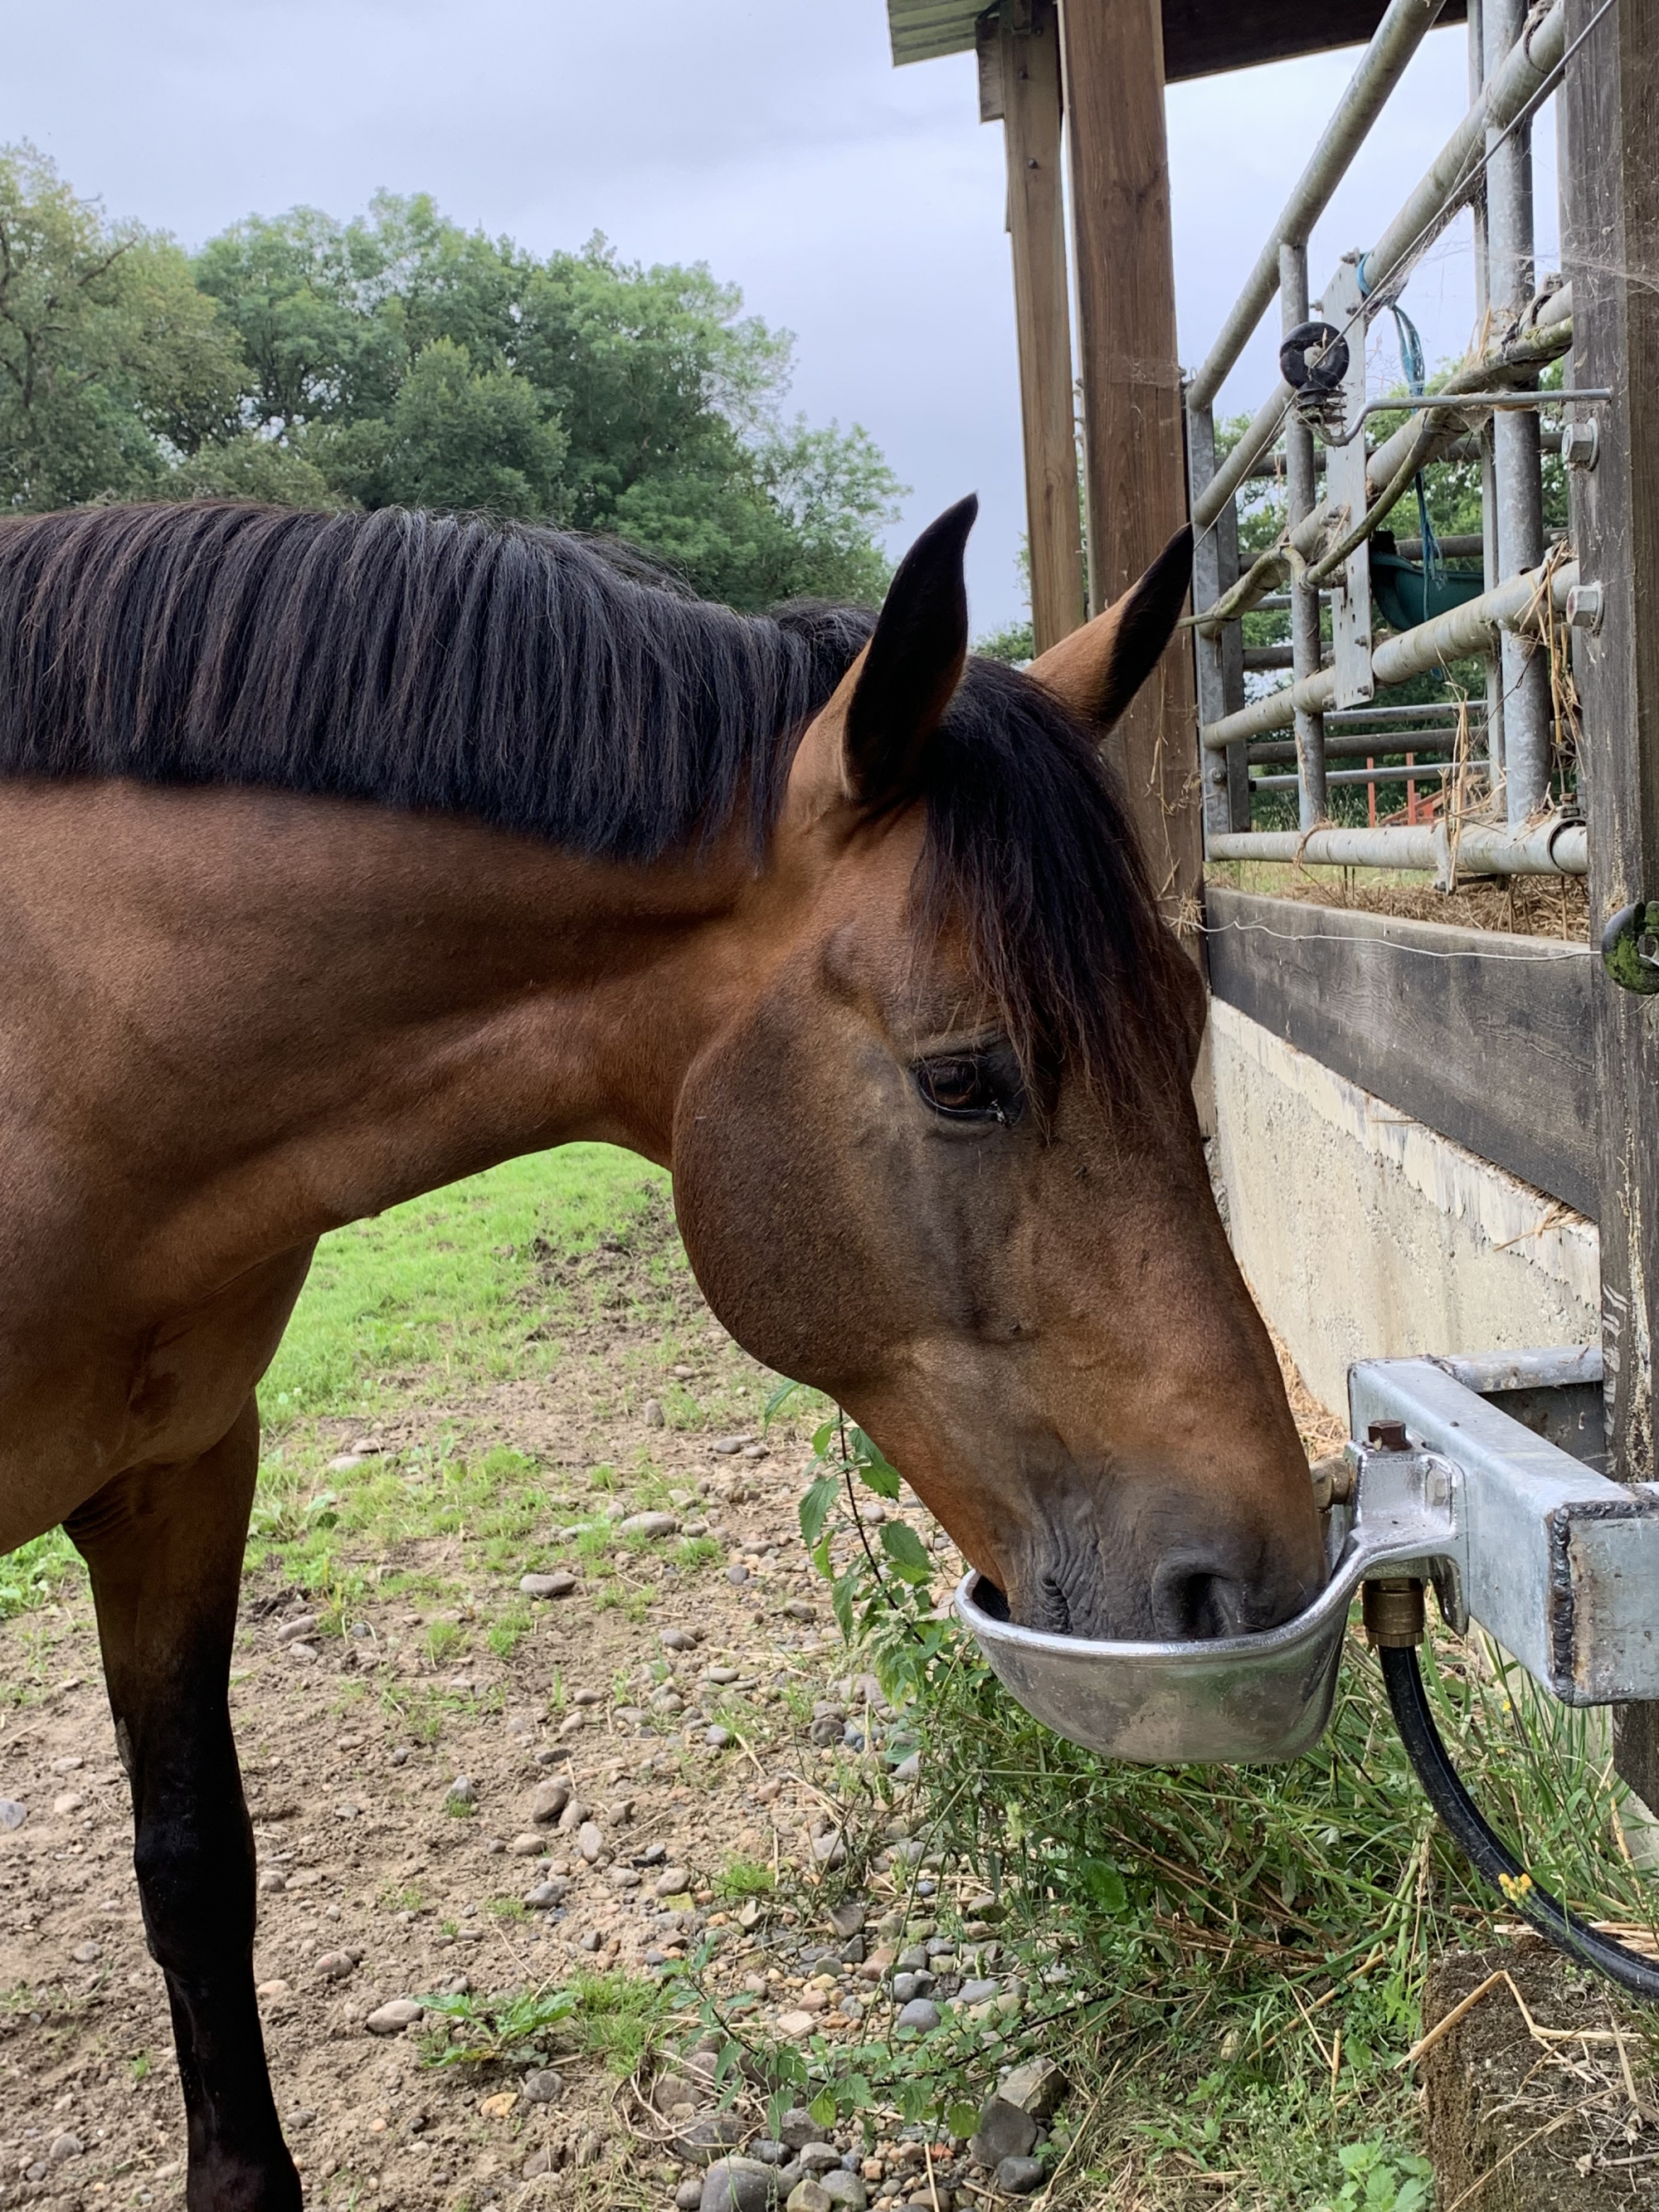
<point>1609,119</point>
<point>1134,468</point>
<point>1019,61</point>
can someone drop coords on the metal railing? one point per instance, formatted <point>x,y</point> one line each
<point>1489,411</point>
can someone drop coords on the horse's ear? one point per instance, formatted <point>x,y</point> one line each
<point>1097,670</point>
<point>864,750</point>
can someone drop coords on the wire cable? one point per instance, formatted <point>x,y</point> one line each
<point>1486,1852</point>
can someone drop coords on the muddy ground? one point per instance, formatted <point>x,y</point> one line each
<point>378,1883</point>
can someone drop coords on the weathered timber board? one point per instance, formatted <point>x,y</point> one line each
<point>1485,1038</point>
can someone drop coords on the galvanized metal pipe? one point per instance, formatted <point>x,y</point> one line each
<point>1218,655</point>
<point>1471,629</point>
<point>1311,805</point>
<point>1526,69</point>
<point>1397,38</point>
<point>1418,772</point>
<point>1476,42</point>
<point>1519,506</point>
<point>1360,745</point>
<point>1552,847</point>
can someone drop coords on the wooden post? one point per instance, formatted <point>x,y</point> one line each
<point>1134,470</point>
<point>1027,41</point>
<point>1609,122</point>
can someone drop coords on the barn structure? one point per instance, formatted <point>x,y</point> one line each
<point>1435,1139</point>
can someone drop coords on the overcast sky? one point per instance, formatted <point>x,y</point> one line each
<point>860,206</point>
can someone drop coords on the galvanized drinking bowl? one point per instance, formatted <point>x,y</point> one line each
<point>1232,1699</point>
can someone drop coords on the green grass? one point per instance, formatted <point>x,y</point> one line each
<point>614,2018</point>
<point>1203,1931</point>
<point>741,1877</point>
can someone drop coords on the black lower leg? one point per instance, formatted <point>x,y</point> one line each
<point>165,1551</point>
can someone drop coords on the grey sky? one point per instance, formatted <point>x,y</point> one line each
<point>860,206</point>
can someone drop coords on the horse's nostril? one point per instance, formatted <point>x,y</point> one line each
<point>1191,1604</point>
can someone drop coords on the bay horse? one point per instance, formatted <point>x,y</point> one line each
<point>342,855</point>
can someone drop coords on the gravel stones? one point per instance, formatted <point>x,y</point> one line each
<point>677,1640</point>
<point>797,2128</point>
<point>718,1739</point>
<point>796,2026</point>
<point>653,1413</point>
<point>545,1895</point>
<point>623,1877</point>
<point>921,2013</point>
<point>86,1954</point>
<point>67,1801</point>
<point>590,1841</point>
<point>701,2141</point>
<point>688,2195</point>
<point>737,1573</point>
<point>819,2158</point>
<point>12,1815</point>
<point>808,2197</point>
<point>1004,2131</point>
<point>461,1791</point>
<point>65,2147</point>
<point>651,1524</point>
<point>394,2017</point>
<point>1020,2177</point>
<point>542,2086</point>
<point>292,1631</point>
<point>1036,2087</point>
<point>673,1882</point>
<point>738,2185</point>
<point>336,1966</point>
<point>561,1584</point>
<point>847,2189</point>
<point>848,1917</point>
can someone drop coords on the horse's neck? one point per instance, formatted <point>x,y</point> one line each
<point>307,1010</point>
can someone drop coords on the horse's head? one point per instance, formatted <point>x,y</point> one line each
<point>942,1158</point>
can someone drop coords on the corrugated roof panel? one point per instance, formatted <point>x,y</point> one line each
<point>919,29</point>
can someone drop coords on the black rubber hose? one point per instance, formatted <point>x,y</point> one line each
<point>1492,1857</point>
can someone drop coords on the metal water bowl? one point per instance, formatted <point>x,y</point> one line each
<point>1530,1539</point>
<point>1232,1699</point>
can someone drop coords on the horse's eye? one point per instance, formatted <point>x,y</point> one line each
<point>970,1088</point>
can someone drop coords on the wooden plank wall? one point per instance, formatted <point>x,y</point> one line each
<point>1487,1038</point>
<point>1134,462</point>
<point>1608,108</point>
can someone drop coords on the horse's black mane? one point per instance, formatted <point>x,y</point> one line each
<point>549,685</point>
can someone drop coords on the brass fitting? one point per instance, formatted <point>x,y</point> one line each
<point>1394,1613</point>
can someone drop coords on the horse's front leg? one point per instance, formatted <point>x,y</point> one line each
<point>164,1546</point>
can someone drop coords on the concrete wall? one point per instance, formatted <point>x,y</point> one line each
<point>1363,1234</point>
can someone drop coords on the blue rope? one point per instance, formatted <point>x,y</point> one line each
<point>1412,368</point>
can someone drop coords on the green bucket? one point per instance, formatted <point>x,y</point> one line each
<point>1398,590</point>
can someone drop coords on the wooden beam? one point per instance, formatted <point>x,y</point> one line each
<point>1485,1038</point>
<point>1134,469</point>
<point>1609,121</point>
<point>1027,41</point>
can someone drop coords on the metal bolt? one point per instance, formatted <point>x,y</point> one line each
<point>1586,604</point>
<point>1580,444</point>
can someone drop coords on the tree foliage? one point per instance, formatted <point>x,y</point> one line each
<point>396,359</point>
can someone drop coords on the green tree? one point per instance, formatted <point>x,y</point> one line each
<point>453,437</point>
<point>411,361</point>
<point>111,362</point>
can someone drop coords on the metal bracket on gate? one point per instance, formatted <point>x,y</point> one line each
<point>1344,489</point>
<point>1559,1563</point>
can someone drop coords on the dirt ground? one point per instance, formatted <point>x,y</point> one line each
<point>375,1887</point>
